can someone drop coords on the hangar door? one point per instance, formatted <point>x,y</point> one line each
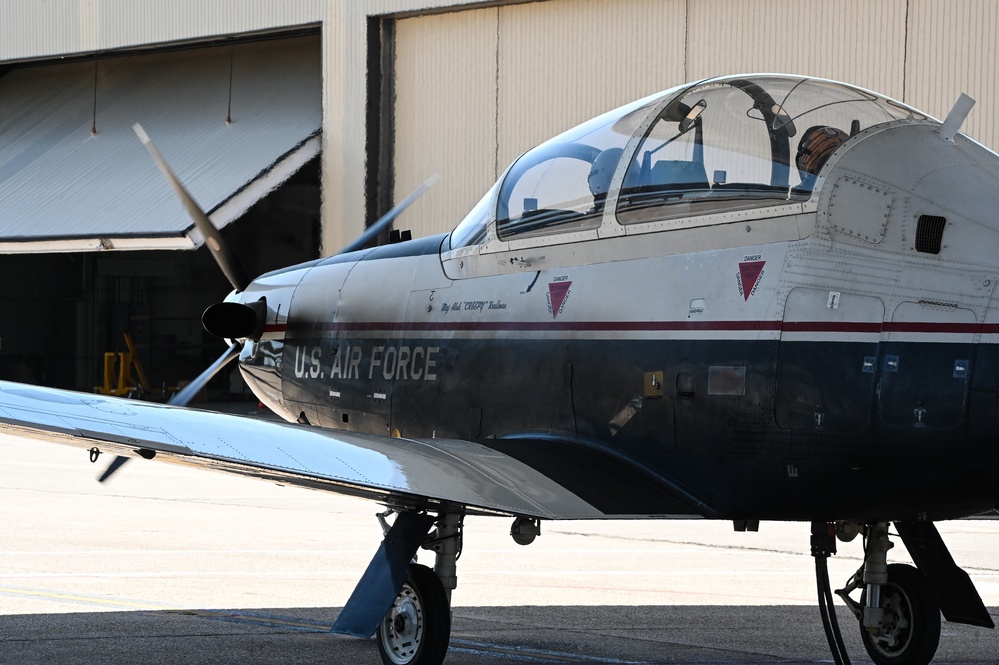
<point>475,89</point>
<point>240,126</point>
<point>233,122</point>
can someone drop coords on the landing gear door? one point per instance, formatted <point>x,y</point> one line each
<point>828,360</point>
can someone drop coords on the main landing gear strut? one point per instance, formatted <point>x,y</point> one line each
<point>900,605</point>
<point>406,605</point>
<point>417,628</point>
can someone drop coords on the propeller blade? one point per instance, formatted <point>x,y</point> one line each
<point>116,463</point>
<point>184,397</point>
<point>227,261</point>
<point>386,220</point>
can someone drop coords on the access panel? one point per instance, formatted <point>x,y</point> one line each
<point>925,365</point>
<point>827,363</point>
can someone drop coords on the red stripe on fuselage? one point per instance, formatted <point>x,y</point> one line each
<point>646,326</point>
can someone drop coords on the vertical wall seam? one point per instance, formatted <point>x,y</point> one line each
<point>379,118</point>
<point>686,36</point>
<point>496,113</point>
<point>93,127</point>
<point>905,52</point>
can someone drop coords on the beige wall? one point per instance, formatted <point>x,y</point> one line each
<point>855,41</point>
<point>344,106</point>
<point>477,87</point>
<point>564,61</point>
<point>952,49</point>
<point>453,130</point>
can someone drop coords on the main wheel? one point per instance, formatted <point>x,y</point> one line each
<point>417,628</point>
<point>910,631</point>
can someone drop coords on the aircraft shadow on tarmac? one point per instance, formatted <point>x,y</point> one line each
<point>525,634</point>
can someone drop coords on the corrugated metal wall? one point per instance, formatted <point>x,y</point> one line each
<point>563,62</point>
<point>855,41</point>
<point>476,88</point>
<point>445,114</point>
<point>33,29</point>
<point>952,49</point>
<point>59,181</point>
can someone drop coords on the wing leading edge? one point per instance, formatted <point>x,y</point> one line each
<point>406,473</point>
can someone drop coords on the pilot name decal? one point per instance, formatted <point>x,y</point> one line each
<point>558,295</point>
<point>391,363</point>
<point>748,277</point>
<point>472,306</point>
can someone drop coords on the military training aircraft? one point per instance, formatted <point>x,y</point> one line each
<point>758,297</point>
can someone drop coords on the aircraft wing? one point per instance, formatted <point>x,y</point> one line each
<point>398,472</point>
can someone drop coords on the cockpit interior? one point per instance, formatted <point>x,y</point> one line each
<point>725,144</point>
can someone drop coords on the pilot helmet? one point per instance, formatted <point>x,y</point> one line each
<point>817,143</point>
<point>602,171</point>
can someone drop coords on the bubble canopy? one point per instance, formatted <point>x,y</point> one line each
<point>724,144</point>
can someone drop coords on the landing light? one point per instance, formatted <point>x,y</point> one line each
<point>525,530</point>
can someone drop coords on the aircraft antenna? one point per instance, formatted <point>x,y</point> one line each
<point>952,123</point>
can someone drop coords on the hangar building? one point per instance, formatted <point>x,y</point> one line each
<point>297,123</point>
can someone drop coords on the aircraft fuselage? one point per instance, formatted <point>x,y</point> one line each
<point>826,350</point>
<point>715,367</point>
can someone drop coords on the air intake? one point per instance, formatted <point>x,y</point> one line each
<point>929,233</point>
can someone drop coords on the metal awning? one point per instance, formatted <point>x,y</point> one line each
<point>66,189</point>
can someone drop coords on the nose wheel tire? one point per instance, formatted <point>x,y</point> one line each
<point>910,630</point>
<point>417,628</point>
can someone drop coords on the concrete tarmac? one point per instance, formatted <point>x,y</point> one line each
<point>170,564</point>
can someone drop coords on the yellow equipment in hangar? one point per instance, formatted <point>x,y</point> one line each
<point>118,379</point>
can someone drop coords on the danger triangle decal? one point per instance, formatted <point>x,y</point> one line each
<point>749,275</point>
<point>557,294</point>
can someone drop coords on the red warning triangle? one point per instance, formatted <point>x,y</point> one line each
<point>750,271</point>
<point>557,291</point>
